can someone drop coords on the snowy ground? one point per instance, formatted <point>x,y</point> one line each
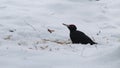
<point>26,43</point>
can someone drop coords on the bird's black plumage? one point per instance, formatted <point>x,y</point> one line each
<point>78,36</point>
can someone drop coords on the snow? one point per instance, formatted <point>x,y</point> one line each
<point>26,43</point>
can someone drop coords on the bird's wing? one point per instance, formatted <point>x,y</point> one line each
<point>83,36</point>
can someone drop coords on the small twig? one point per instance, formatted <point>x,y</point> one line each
<point>30,26</point>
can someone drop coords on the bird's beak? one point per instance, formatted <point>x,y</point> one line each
<point>65,25</point>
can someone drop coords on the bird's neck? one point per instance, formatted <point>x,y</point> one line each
<point>72,30</point>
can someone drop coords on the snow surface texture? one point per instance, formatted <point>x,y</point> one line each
<point>26,43</point>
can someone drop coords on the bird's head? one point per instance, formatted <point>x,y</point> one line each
<point>71,27</point>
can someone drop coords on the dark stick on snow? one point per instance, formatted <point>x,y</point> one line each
<point>49,30</point>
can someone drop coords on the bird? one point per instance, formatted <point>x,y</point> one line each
<point>77,36</point>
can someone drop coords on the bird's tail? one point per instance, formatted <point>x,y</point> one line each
<point>93,43</point>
